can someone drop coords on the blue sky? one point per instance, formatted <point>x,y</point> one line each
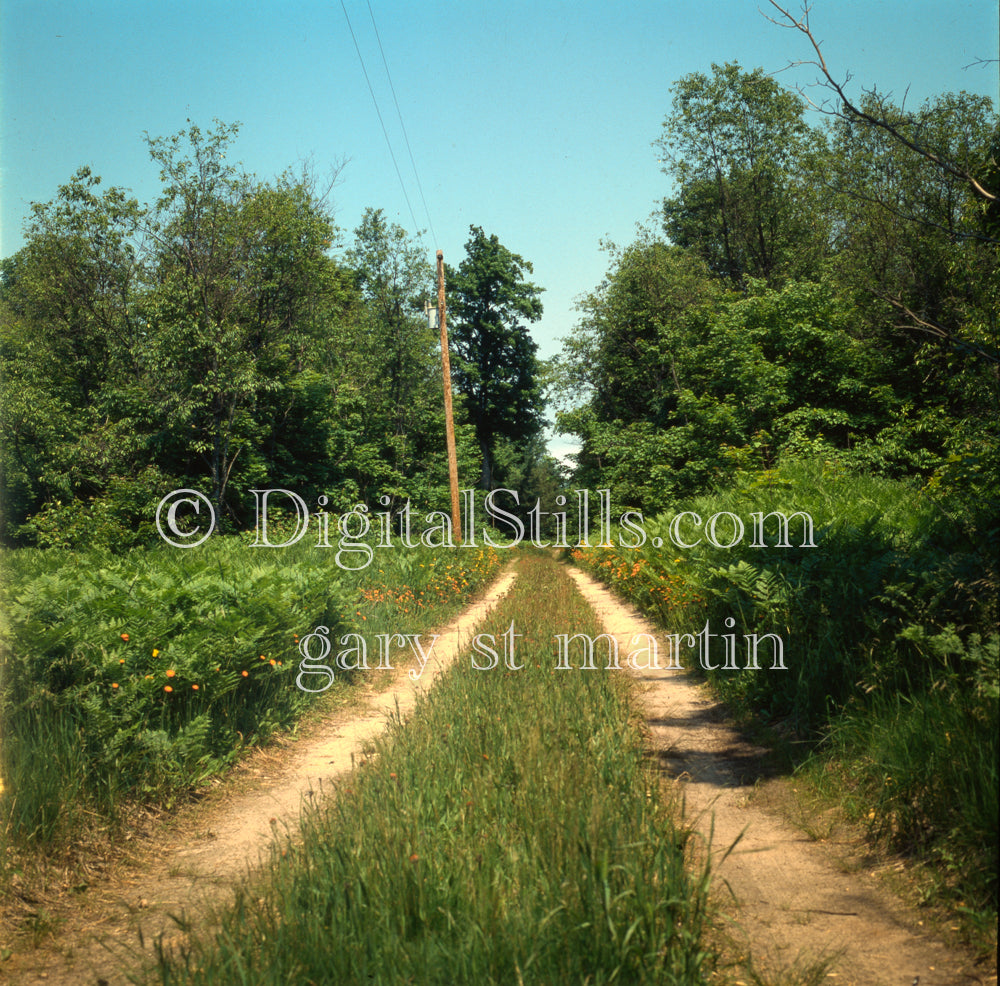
<point>532,120</point>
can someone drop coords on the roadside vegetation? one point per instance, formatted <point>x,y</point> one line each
<point>509,833</point>
<point>134,677</point>
<point>810,324</point>
<point>890,646</point>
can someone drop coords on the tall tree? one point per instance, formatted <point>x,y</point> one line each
<point>73,332</point>
<point>182,337</point>
<point>738,147</point>
<point>241,267</point>
<point>391,357</point>
<point>489,300</point>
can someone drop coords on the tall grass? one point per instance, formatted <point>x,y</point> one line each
<point>508,833</point>
<point>136,676</point>
<point>890,645</point>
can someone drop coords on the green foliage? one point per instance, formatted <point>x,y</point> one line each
<point>242,281</point>
<point>496,369</point>
<point>688,386</point>
<point>124,517</point>
<point>484,845</point>
<point>389,369</point>
<point>866,327</point>
<point>885,621</point>
<point>738,147</point>
<point>211,337</point>
<point>137,675</point>
<point>911,232</point>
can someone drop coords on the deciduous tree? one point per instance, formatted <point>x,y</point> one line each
<point>489,301</point>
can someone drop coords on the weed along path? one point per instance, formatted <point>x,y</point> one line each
<point>209,848</point>
<point>786,901</point>
<point>790,902</point>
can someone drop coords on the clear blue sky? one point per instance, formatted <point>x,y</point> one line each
<point>533,120</point>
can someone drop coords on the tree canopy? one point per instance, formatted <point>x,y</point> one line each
<point>814,289</point>
<point>497,369</point>
<point>213,339</point>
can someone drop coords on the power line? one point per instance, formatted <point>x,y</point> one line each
<point>379,113</point>
<point>392,88</point>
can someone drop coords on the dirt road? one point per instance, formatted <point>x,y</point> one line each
<point>788,898</point>
<point>211,846</point>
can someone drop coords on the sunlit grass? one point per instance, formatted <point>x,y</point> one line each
<point>891,650</point>
<point>134,677</point>
<point>507,833</point>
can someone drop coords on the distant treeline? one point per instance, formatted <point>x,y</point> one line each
<point>219,339</point>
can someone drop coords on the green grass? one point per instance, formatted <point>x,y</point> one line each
<point>508,833</point>
<point>134,677</point>
<point>891,648</point>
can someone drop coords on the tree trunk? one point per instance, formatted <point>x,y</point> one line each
<point>486,480</point>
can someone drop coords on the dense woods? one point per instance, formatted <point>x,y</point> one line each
<point>820,290</point>
<point>809,323</point>
<point>221,339</point>
<point>813,326</point>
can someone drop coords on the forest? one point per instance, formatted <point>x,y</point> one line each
<point>809,323</point>
<point>213,339</point>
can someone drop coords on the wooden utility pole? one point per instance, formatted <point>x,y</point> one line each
<point>449,424</point>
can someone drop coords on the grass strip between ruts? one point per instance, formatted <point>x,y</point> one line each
<point>508,832</point>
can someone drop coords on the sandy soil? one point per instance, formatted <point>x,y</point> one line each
<point>788,897</point>
<point>211,846</point>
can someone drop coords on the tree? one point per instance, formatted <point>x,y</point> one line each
<point>400,361</point>
<point>875,113</point>
<point>684,383</point>
<point>73,333</point>
<point>740,151</point>
<point>936,170</point>
<point>179,339</point>
<point>912,242</point>
<point>241,274</point>
<point>497,368</point>
<point>635,325</point>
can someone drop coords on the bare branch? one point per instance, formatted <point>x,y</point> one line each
<point>981,61</point>
<point>956,235</point>
<point>853,111</point>
<point>939,331</point>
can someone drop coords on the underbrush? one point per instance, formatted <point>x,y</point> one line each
<point>887,631</point>
<point>134,677</point>
<point>510,833</point>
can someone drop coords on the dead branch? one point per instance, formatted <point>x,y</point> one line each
<point>936,329</point>
<point>854,112</point>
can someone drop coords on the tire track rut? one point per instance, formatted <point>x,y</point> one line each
<point>788,897</point>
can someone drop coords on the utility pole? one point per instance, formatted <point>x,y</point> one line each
<point>449,425</point>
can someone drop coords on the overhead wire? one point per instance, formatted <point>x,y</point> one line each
<point>385,132</point>
<point>402,125</point>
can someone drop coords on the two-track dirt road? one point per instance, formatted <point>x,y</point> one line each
<point>787,897</point>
